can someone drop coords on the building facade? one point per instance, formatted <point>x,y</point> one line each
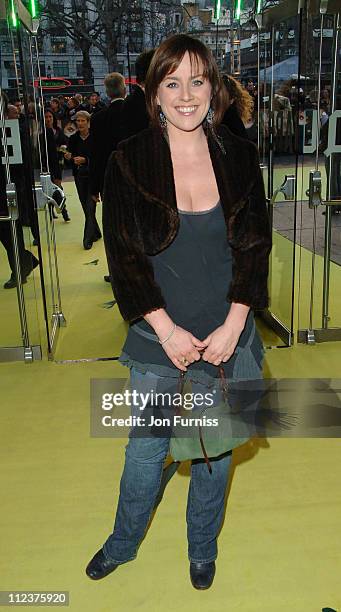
<point>142,25</point>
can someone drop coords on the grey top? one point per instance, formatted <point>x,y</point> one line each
<point>194,273</point>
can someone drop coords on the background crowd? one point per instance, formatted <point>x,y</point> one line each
<point>81,132</point>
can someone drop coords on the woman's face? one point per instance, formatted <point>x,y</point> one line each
<point>49,120</point>
<point>185,96</point>
<point>54,106</point>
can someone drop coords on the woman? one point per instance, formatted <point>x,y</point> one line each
<point>79,153</point>
<point>187,240</point>
<point>60,142</point>
<point>240,107</point>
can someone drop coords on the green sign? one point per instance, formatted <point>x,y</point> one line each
<point>52,83</point>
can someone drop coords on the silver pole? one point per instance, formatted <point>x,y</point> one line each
<point>258,85</point>
<point>3,138</point>
<point>48,225</point>
<point>319,95</point>
<point>39,111</point>
<point>54,246</point>
<point>328,224</point>
<point>271,113</point>
<point>20,291</point>
<point>313,257</point>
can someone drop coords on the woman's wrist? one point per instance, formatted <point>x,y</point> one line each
<point>161,322</point>
<point>237,315</point>
<point>162,342</point>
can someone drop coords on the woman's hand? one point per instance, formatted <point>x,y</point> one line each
<point>79,161</point>
<point>183,348</point>
<point>67,155</point>
<point>221,344</point>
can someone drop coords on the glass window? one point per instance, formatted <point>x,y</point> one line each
<point>79,69</point>
<point>58,45</point>
<point>61,68</point>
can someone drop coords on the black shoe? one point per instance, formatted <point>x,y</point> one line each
<point>107,278</point>
<point>87,245</point>
<point>35,242</point>
<point>65,215</point>
<point>202,574</point>
<point>97,237</point>
<point>12,282</point>
<point>99,566</point>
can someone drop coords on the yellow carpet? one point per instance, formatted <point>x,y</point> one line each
<point>279,549</point>
<point>85,295</point>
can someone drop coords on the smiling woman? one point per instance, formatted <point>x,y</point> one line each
<point>187,239</point>
<point>185,58</point>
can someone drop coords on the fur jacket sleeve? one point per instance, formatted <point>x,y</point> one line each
<point>140,218</point>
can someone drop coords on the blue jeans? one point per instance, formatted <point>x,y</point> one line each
<point>140,483</point>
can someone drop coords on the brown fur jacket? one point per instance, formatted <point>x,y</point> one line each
<point>140,217</point>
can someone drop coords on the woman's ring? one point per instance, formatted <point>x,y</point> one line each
<point>184,361</point>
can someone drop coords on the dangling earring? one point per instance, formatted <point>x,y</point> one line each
<point>162,119</point>
<point>210,116</point>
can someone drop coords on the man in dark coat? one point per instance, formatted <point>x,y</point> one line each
<point>134,114</point>
<point>105,131</point>
<point>105,134</point>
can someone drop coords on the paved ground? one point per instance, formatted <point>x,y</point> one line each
<point>284,214</point>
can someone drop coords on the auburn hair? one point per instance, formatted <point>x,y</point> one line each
<point>242,99</point>
<point>166,60</point>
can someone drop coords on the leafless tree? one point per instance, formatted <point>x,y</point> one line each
<point>72,20</point>
<point>109,24</point>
